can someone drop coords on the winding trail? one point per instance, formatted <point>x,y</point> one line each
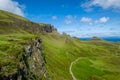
<point>70,68</point>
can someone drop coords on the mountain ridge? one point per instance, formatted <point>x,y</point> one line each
<point>34,51</point>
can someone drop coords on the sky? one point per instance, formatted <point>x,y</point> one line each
<point>79,18</point>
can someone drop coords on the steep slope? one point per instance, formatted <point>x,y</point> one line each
<point>61,50</point>
<point>32,51</point>
<point>11,23</point>
<point>21,57</point>
<point>21,48</point>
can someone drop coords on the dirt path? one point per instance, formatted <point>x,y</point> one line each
<point>70,68</point>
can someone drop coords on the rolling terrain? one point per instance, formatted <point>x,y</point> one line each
<point>36,51</point>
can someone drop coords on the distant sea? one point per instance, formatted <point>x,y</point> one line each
<point>112,39</point>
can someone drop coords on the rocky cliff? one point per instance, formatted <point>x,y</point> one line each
<point>30,66</point>
<point>22,56</point>
<point>17,24</point>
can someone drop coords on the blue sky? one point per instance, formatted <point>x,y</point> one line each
<point>80,18</point>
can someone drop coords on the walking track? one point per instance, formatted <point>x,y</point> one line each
<point>70,68</point>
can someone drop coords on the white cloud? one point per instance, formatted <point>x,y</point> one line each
<point>68,21</point>
<point>90,21</point>
<point>12,6</point>
<point>69,16</point>
<point>86,20</point>
<point>105,4</point>
<point>102,20</point>
<point>54,17</point>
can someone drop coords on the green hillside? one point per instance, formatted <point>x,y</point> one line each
<point>98,59</point>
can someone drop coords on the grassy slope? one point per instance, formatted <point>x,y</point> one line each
<point>11,49</point>
<point>98,68</point>
<point>59,51</point>
<point>7,16</point>
<point>12,40</point>
<point>101,67</point>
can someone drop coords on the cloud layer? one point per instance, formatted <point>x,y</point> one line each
<point>12,6</point>
<point>69,19</point>
<point>86,20</point>
<point>54,17</point>
<point>102,20</point>
<point>91,21</point>
<point>106,3</point>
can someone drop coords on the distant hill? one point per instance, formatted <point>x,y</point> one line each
<point>95,38</point>
<point>107,38</point>
<point>36,51</point>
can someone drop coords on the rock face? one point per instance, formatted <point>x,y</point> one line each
<point>36,60</point>
<point>32,64</point>
<point>28,63</point>
<point>28,26</point>
<point>48,28</point>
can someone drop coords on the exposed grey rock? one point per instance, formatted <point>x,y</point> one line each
<point>29,50</point>
<point>32,65</point>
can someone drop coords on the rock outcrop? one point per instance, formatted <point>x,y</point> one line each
<point>48,28</point>
<point>36,59</point>
<point>32,64</point>
<point>95,38</point>
<point>28,26</point>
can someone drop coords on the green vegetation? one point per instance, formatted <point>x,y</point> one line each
<point>100,58</point>
<point>8,17</point>
<point>61,50</point>
<point>98,68</point>
<point>11,48</point>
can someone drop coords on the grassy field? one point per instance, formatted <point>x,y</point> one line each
<point>101,59</point>
<point>61,50</point>
<point>97,68</point>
